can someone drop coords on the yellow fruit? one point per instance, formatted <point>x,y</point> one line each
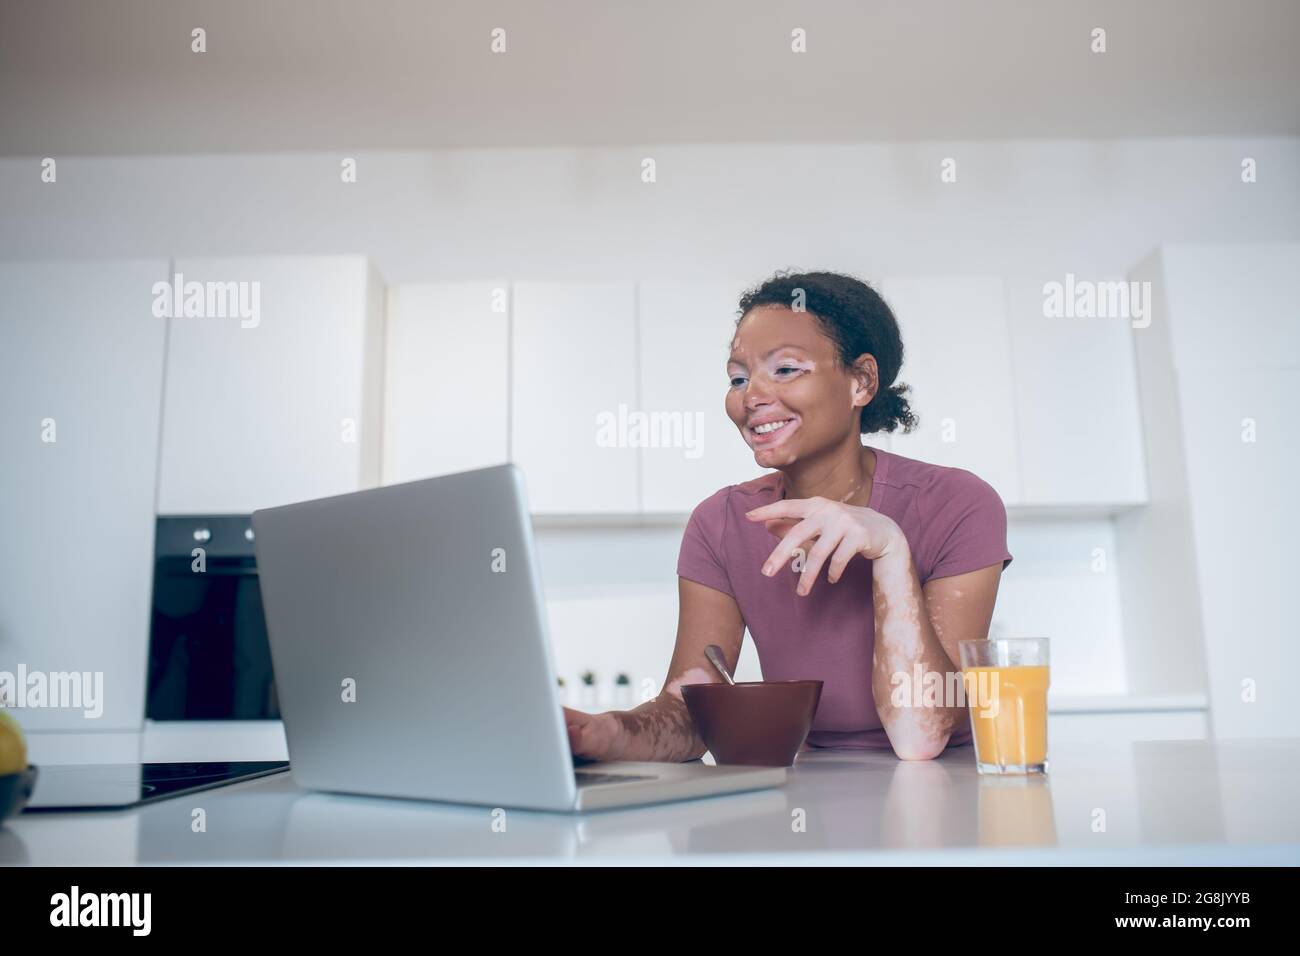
<point>13,749</point>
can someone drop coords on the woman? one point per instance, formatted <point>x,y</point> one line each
<point>854,566</point>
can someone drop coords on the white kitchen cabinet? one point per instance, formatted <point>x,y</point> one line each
<point>81,373</point>
<point>957,359</point>
<point>447,379</point>
<point>573,389</point>
<point>280,408</point>
<point>1079,423</point>
<point>1243,453</point>
<point>685,331</point>
<point>1219,369</point>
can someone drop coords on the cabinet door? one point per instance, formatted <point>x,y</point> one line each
<point>573,389</point>
<point>957,360</point>
<point>1077,413</point>
<point>81,371</point>
<point>447,379</point>
<point>1243,454</point>
<point>281,407</point>
<point>685,331</point>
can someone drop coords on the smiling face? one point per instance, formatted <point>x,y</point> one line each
<point>788,393</point>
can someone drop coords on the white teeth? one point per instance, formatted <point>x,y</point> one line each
<point>770,426</point>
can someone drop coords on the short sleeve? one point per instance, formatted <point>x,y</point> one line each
<point>701,556</point>
<point>964,525</point>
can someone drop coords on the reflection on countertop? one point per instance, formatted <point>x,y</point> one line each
<point>1194,801</point>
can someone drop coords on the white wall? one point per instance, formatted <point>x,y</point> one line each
<point>1029,208</point>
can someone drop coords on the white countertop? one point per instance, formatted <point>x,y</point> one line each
<point>1158,803</point>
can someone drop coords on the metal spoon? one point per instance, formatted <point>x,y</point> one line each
<point>714,653</point>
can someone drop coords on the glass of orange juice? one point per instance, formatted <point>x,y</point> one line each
<point>1005,682</point>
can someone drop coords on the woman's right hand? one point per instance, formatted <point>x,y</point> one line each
<point>594,736</point>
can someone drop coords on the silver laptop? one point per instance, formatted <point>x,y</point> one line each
<point>409,641</point>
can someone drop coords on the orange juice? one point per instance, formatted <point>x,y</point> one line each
<point>1008,714</point>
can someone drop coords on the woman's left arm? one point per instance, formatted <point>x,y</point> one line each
<point>922,626</point>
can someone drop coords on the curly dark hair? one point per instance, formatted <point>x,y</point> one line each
<point>857,320</point>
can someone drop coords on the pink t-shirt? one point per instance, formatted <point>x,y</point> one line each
<point>954,522</point>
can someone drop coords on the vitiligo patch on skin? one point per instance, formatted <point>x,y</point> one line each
<point>666,730</point>
<point>664,726</point>
<point>851,492</point>
<point>899,628</point>
<point>692,675</point>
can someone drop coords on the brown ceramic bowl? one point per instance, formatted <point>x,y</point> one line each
<point>762,723</point>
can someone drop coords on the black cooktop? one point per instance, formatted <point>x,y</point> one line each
<point>120,785</point>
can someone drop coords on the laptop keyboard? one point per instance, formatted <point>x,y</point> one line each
<point>588,777</point>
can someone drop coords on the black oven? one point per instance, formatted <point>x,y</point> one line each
<point>208,654</point>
